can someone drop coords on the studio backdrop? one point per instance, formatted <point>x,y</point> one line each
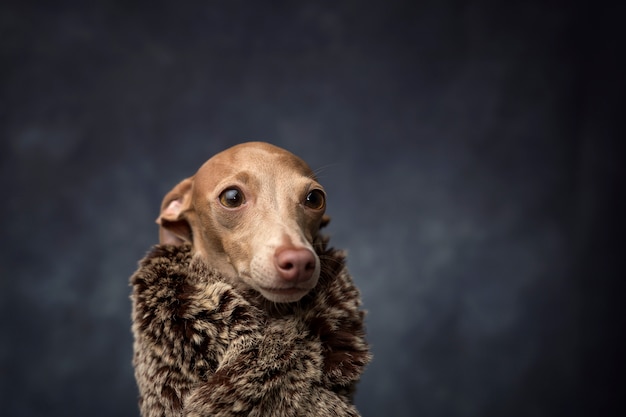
<point>468,150</point>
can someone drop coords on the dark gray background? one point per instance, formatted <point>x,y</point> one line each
<point>469,149</point>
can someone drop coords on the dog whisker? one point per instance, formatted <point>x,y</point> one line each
<point>317,173</point>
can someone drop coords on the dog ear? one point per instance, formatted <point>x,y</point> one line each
<point>325,221</point>
<point>174,227</point>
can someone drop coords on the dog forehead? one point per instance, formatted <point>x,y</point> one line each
<point>254,156</point>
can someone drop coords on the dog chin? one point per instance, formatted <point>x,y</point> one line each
<point>283,295</point>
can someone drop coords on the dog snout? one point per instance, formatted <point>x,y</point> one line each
<point>295,264</point>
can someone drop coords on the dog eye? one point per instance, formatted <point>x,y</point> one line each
<point>232,197</point>
<point>315,200</point>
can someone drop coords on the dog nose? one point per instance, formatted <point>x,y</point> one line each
<point>295,264</point>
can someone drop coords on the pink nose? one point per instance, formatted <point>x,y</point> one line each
<point>294,264</point>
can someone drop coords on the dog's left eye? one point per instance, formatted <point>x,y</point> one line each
<point>315,200</point>
<point>232,197</point>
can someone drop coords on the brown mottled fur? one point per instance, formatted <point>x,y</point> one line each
<point>204,347</point>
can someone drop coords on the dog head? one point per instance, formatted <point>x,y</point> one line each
<point>253,212</point>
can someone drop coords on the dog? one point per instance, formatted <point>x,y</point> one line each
<point>243,308</point>
<point>253,212</point>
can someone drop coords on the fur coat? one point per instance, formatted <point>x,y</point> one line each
<point>205,347</point>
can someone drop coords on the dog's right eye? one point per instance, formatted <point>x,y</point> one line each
<point>232,198</point>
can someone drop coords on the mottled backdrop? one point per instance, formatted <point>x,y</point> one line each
<point>470,151</point>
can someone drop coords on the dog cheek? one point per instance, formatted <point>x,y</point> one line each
<point>208,234</point>
<point>312,230</point>
<point>236,249</point>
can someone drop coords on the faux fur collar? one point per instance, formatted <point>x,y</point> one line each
<point>204,347</point>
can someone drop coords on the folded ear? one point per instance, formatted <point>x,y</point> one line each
<point>174,226</point>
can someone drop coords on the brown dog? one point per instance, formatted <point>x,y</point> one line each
<point>253,212</point>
